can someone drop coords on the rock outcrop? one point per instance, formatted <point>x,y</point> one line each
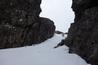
<point>83,34</point>
<point>20,24</point>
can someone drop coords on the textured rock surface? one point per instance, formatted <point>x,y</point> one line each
<point>83,34</point>
<point>20,24</point>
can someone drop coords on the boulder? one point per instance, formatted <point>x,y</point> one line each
<point>20,24</point>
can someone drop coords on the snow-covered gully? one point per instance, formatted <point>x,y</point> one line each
<point>41,54</point>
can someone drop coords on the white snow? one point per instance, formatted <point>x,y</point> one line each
<point>59,11</point>
<point>41,54</point>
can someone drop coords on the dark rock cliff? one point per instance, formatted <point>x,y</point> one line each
<point>20,24</point>
<point>83,34</point>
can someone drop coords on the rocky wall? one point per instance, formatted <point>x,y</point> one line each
<point>83,34</point>
<point>20,24</point>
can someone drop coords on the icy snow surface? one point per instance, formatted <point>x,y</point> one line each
<point>41,54</point>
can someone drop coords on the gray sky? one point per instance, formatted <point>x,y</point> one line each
<point>59,11</point>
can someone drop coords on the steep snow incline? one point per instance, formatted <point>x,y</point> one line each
<point>41,54</point>
<point>59,11</point>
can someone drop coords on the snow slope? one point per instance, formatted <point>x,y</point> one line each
<point>41,54</point>
<point>59,11</point>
